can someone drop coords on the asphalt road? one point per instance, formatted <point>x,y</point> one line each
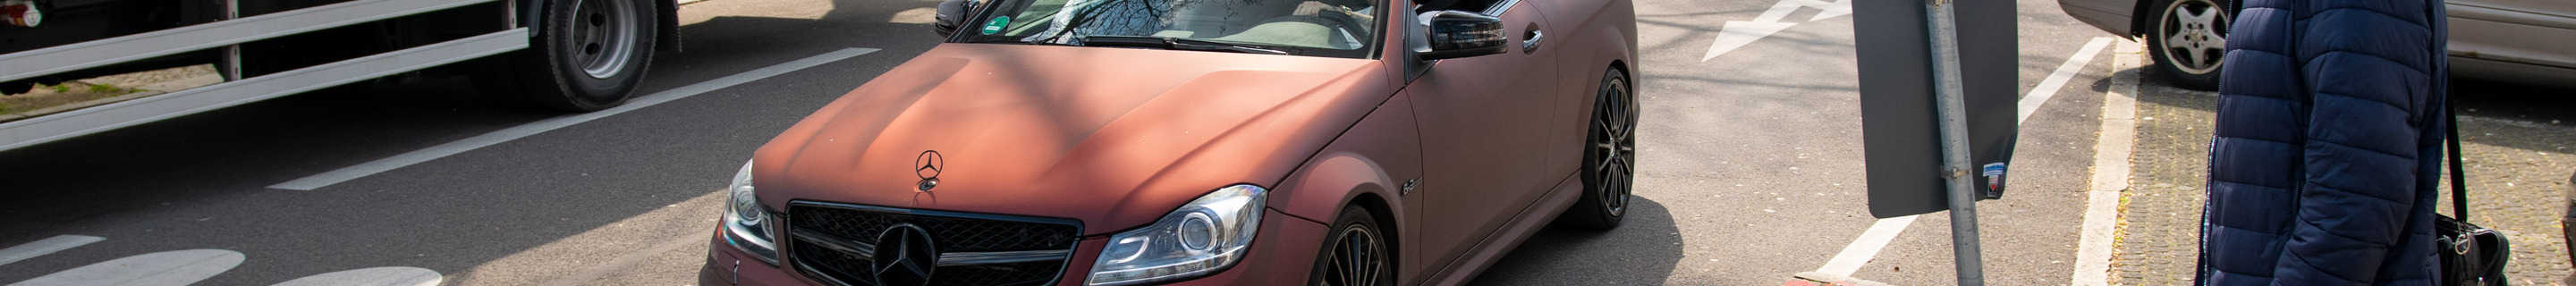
<point>1750,166</point>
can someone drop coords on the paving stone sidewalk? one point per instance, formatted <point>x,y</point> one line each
<point>2518,170</point>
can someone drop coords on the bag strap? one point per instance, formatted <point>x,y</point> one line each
<point>2459,179</point>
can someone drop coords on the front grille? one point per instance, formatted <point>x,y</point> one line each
<point>998,274</point>
<point>832,265</point>
<point>951,232</point>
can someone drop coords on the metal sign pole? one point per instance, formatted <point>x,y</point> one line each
<point>1947,89</point>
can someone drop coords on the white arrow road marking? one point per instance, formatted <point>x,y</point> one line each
<point>1738,33</point>
<point>174,268</point>
<point>379,276</point>
<point>43,247</point>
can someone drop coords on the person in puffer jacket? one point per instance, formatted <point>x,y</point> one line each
<point>2327,145</point>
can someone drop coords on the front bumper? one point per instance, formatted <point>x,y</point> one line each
<point>1282,254</point>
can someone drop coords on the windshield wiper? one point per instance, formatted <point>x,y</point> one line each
<point>1173,43</point>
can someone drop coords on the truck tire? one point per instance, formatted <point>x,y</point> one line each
<point>586,55</point>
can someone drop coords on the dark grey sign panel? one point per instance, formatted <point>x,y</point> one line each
<point>1898,123</point>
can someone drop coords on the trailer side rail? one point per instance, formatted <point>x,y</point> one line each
<point>48,128</point>
<point>57,59</point>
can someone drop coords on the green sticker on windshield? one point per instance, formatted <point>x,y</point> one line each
<point>996,25</point>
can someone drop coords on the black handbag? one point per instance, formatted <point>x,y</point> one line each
<point>2470,254</point>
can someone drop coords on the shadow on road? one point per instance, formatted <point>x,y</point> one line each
<point>1642,251</point>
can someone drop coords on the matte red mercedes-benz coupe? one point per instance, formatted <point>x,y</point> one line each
<point>1201,142</point>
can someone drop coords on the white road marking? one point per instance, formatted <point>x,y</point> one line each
<point>629,259</point>
<point>45,246</point>
<point>173,268</point>
<point>1861,250</point>
<point>2110,168</point>
<point>2057,80</point>
<point>379,276</point>
<point>1738,33</point>
<point>345,174</point>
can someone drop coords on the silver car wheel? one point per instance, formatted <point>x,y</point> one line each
<point>2194,35</point>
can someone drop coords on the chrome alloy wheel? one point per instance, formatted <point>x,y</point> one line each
<point>1358,259</point>
<point>2194,35</point>
<point>605,35</point>
<point>1614,146</point>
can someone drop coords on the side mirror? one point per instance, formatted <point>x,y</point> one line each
<point>950,12</point>
<point>1449,34</point>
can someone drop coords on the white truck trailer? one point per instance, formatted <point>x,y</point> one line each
<point>572,55</point>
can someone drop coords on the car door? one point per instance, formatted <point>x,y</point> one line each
<point>2532,32</point>
<point>1482,121</point>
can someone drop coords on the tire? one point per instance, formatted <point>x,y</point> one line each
<point>1355,244</point>
<point>2188,40</point>
<point>1609,157</point>
<point>587,55</point>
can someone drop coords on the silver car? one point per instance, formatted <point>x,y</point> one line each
<point>2519,41</point>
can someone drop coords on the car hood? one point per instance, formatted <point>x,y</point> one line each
<point>1112,137</point>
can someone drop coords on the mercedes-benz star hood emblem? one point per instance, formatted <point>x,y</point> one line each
<point>927,167</point>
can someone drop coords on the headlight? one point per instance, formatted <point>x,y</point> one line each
<point>1201,237</point>
<point>746,223</point>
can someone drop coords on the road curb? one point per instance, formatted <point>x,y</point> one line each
<point>2111,168</point>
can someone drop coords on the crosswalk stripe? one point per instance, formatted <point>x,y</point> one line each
<point>43,247</point>
<point>379,276</point>
<point>174,268</point>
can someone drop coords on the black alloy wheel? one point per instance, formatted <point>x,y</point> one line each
<point>1609,157</point>
<point>587,55</point>
<point>2189,41</point>
<point>1357,253</point>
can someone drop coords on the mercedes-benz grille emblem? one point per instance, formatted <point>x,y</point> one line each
<point>927,167</point>
<point>904,257</point>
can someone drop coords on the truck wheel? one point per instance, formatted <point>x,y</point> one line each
<point>587,55</point>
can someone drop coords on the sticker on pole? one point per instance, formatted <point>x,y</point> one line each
<point>996,25</point>
<point>1994,180</point>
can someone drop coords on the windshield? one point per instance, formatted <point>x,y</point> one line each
<point>1335,28</point>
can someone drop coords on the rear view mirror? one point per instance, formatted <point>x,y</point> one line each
<point>1449,34</point>
<point>950,12</point>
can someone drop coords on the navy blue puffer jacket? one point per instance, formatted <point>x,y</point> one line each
<point>2328,139</point>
